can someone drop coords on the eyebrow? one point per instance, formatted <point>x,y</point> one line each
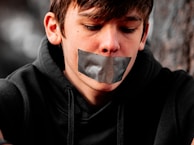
<point>88,15</point>
<point>125,18</point>
<point>132,18</point>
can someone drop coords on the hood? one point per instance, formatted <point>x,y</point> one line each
<point>50,62</point>
<point>145,69</point>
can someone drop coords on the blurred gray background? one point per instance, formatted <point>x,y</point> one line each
<point>21,30</point>
<point>171,34</point>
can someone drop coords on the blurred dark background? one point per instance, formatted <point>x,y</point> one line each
<point>21,30</point>
<point>171,34</point>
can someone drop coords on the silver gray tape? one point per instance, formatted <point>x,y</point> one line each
<point>102,68</point>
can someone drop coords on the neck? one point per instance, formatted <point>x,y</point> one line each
<point>92,96</point>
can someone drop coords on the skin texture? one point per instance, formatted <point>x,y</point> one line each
<point>117,37</point>
<point>192,142</point>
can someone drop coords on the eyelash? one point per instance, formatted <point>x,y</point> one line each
<point>93,27</point>
<point>127,30</point>
<point>98,27</point>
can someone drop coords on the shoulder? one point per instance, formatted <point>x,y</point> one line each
<point>14,93</point>
<point>178,84</point>
<point>11,102</point>
<point>7,91</point>
<point>184,104</point>
<point>178,111</point>
<point>177,78</point>
<point>185,88</point>
<point>27,70</point>
<point>181,85</point>
<point>26,77</point>
<point>14,89</point>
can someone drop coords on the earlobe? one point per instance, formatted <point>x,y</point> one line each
<point>144,37</point>
<point>52,29</point>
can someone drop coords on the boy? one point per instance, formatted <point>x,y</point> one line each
<point>95,83</point>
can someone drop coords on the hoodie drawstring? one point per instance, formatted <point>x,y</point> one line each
<point>70,135</point>
<point>120,125</point>
<point>71,120</point>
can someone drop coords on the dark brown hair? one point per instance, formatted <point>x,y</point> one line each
<point>108,9</point>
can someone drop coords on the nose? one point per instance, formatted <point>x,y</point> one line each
<point>109,44</point>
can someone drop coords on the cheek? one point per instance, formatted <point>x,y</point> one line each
<point>133,58</point>
<point>77,40</point>
<point>131,48</point>
<point>69,50</point>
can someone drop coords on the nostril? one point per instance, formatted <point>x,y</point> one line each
<point>104,50</point>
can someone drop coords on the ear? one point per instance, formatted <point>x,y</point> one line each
<point>144,37</point>
<point>52,29</point>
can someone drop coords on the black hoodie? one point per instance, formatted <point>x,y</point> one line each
<point>39,106</point>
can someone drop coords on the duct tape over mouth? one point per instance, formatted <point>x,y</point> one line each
<point>102,68</point>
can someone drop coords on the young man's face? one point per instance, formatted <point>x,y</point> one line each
<point>115,38</point>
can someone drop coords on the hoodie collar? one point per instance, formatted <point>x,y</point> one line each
<point>50,62</point>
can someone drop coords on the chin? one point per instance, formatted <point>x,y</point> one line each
<point>105,87</point>
<point>99,86</point>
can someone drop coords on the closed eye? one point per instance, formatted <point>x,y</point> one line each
<point>127,30</point>
<point>93,27</point>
